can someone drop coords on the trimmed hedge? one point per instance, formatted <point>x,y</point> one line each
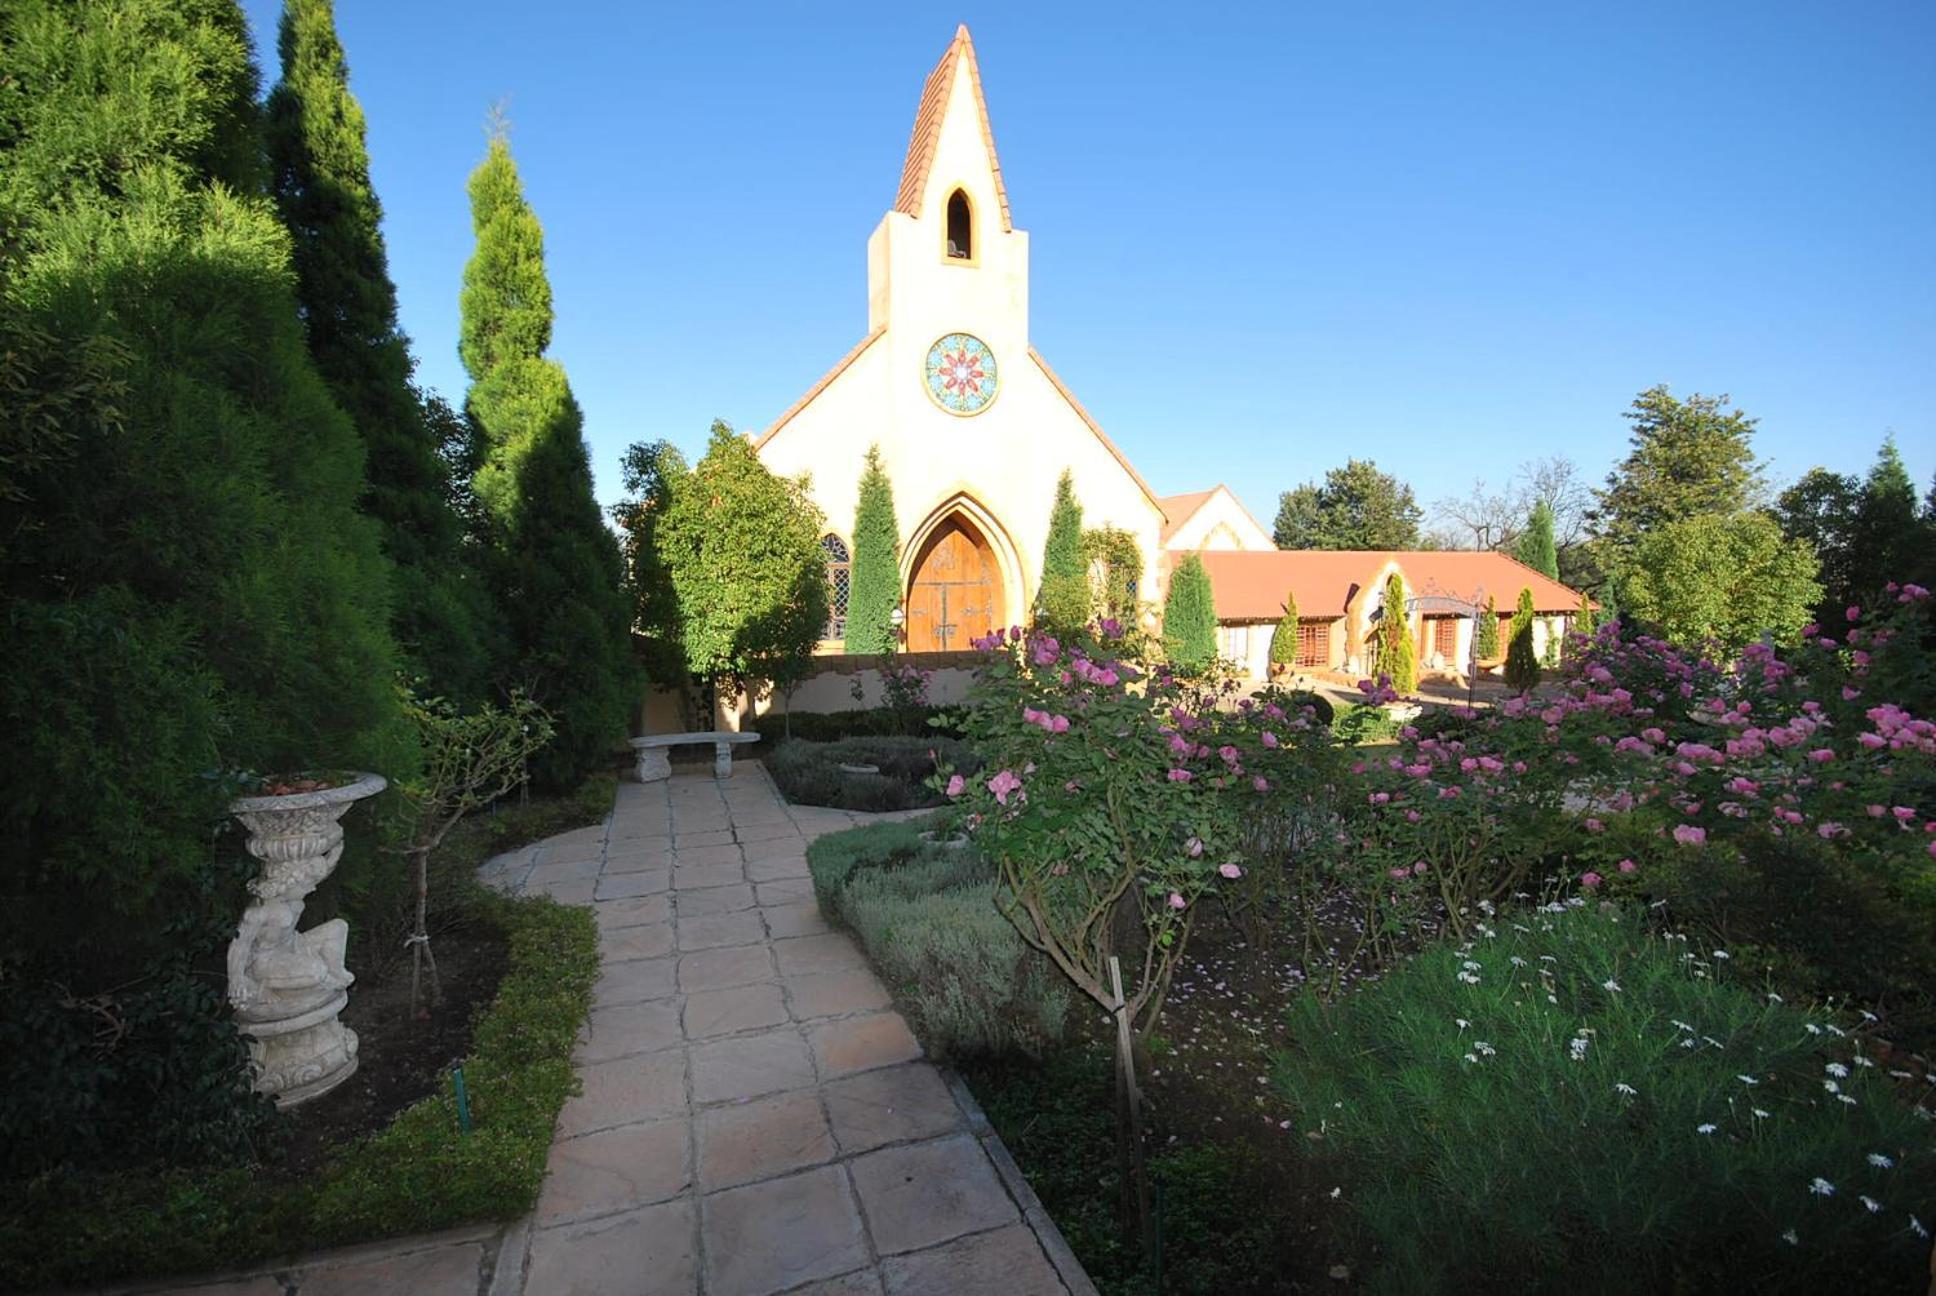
<point>418,1175</point>
<point>810,773</point>
<point>856,722</point>
<point>925,913</point>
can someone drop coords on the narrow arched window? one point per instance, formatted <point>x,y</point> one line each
<point>961,227</point>
<point>840,572</point>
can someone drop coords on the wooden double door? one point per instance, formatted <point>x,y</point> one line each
<point>955,594</point>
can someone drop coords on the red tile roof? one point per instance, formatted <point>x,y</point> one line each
<point>927,128</point>
<point>1250,585</point>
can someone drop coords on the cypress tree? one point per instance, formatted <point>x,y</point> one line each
<point>1522,663</point>
<point>320,175</point>
<point>1064,600</point>
<point>1283,648</point>
<point>1885,541</point>
<point>1586,620</point>
<point>874,586</point>
<point>1535,547</point>
<point>448,636</point>
<point>560,575</point>
<point>1190,618</point>
<point>1394,654</point>
<point>1488,631</point>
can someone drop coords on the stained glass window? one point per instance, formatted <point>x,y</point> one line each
<point>840,573</point>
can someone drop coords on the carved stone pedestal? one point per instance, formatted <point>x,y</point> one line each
<point>287,986</point>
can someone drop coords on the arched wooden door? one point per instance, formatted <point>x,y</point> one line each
<point>956,592</point>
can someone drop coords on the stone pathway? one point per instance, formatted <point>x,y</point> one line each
<point>756,1118</point>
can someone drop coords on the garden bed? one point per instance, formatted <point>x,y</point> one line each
<point>837,773</point>
<point>383,1155</point>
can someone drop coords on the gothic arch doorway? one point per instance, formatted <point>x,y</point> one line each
<point>955,589</point>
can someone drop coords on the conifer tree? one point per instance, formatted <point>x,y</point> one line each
<point>1283,647</point>
<point>1190,618</point>
<point>1522,663</point>
<point>874,585</point>
<point>1065,599</point>
<point>1586,621</point>
<point>1886,541</point>
<point>1535,546</point>
<point>1488,631</point>
<point>320,174</point>
<point>1393,655</point>
<point>559,573</point>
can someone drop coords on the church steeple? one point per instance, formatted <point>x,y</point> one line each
<point>937,95</point>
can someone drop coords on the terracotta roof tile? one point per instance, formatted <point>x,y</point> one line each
<point>1250,586</point>
<point>1177,509</point>
<point>927,128</point>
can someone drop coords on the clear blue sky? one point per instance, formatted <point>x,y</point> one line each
<point>1446,237</point>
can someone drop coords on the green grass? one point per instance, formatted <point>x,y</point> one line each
<point>1573,1104</point>
<point>925,914</point>
<point>419,1174</point>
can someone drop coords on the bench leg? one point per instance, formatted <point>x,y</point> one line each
<point>653,765</point>
<point>722,760</point>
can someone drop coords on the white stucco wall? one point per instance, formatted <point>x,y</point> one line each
<point>1220,522</point>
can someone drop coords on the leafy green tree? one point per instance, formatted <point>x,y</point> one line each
<point>1357,507</point>
<point>1727,579</point>
<point>1689,458</point>
<point>1820,509</point>
<point>874,588</point>
<point>1393,653</point>
<point>559,573</point>
<point>743,550</point>
<point>1888,540</point>
<point>1535,545</point>
<point>1283,647</point>
<point>1488,631</point>
<point>1190,618</point>
<point>1115,562</point>
<point>653,472</point>
<point>1522,663</point>
<point>320,173</point>
<point>1063,600</point>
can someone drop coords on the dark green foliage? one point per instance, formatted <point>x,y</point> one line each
<point>1522,663</point>
<point>1223,1234</point>
<point>1115,562</point>
<point>868,722</point>
<point>1819,509</point>
<point>1480,1147</point>
<point>1728,578</point>
<point>1689,458</point>
<point>809,773</point>
<point>1488,631</point>
<point>925,914</point>
<point>1394,656</point>
<point>1888,541</point>
<point>419,1175</point>
<point>559,575</point>
<point>743,550</point>
<point>1357,507</point>
<point>1190,618</point>
<point>1283,648</point>
<point>188,585</point>
<point>1587,619</point>
<point>1535,545</point>
<point>1358,723</point>
<point>652,471</point>
<point>1063,602</point>
<point>874,590</point>
<point>320,172</point>
<point>1320,705</point>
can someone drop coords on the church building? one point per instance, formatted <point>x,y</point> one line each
<point>975,429</point>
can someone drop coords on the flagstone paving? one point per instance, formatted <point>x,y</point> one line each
<point>755,1116</point>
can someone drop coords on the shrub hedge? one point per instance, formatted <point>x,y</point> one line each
<point>810,773</point>
<point>925,913</point>
<point>420,1174</point>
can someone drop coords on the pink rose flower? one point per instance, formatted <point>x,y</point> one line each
<point>1230,871</point>
<point>1628,866</point>
<point>1590,879</point>
<point>1261,783</point>
<point>956,785</point>
<point>1180,776</point>
<point>1689,835</point>
<point>1194,847</point>
<point>1177,901</point>
<point>1003,784</point>
<point>1268,738</point>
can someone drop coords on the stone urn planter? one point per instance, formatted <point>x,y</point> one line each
<point>287,986</point>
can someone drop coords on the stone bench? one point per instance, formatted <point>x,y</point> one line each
<point>654,767</point>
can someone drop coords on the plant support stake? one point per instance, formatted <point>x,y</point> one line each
<point>463,1099</point>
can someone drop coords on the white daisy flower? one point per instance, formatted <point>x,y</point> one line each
<point>1462,1022</point>
<point>1610,985</point>
<point>1747,1080</point>
<point>1483,1049</point>
<point>1916,1227</point>
<point>1811,1028</point>
<point>1881,1162</point>
<point>1775,998</point>
<point>1837,1070</point>
<point>1760,1114</point>
<point>1874,1206</point>
<point>1577,1047</point>
<point>1844,1098</point>
<point>1830,1086</point>
<point>1788,1236</point>
<point>1821,1187</point>
<point>1706,1129</point>
<point>1626,1089</point>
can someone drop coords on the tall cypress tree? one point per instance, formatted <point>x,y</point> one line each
<point>560,576</point>
<point>1283,647</point>
<point>1535,547</point>
<point>1190,618</point>
<point>1064,600</point>
<point>1393,654</point>
<point>1886,541</point>
<point>874,587</point>
<point>1488,631</point>
<point>1522,663</point>
<point>320,174</point>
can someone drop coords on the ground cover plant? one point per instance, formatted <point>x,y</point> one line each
<point>1566,1101</point>
<point>416,1173</point>
<point>922,904</point>
<point>811,773</point>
